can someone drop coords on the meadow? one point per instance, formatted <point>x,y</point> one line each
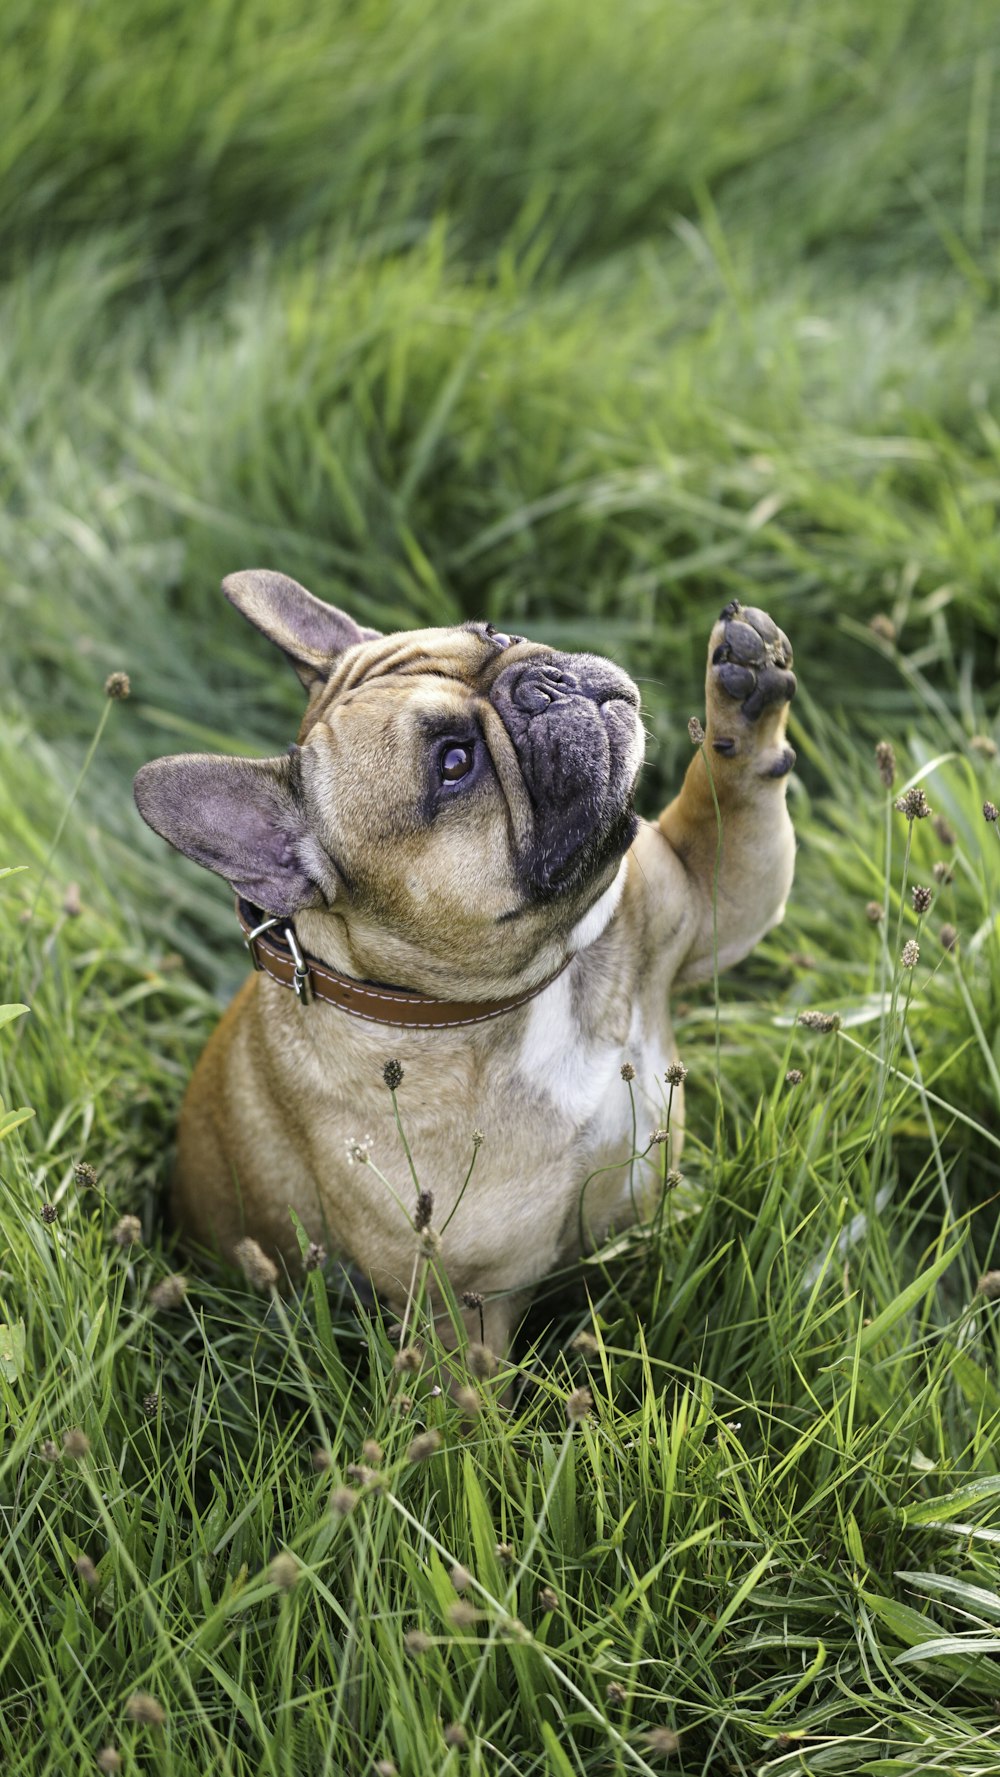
<point>585,319</point>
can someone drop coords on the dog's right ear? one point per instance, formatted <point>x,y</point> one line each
<point>243,818</point>
<point>310,633</point>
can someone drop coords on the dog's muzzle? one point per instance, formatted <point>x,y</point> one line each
<point>573,722</point>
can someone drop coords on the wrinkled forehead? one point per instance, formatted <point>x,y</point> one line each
<point>423,673</point>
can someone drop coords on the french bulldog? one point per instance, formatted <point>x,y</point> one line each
<point>445,873</point>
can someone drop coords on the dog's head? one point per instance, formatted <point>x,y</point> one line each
<point>457,799</point>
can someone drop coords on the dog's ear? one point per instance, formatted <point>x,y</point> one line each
<point>244,819</point>
<point>309,632</point>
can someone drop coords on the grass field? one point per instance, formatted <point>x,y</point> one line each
<point>584,318</point>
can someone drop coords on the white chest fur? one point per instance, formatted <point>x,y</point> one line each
<point>590,1105</point>
<point>579,1075</point>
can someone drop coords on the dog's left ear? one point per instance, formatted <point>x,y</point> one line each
<point>309,632</point>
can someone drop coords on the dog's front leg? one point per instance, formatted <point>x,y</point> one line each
<point>737,844</point>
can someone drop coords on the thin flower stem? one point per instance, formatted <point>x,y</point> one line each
<point>461,1194</point>
<point>613,1166</point>
<point>406,1145</point>
<point>717,869</point>
<point>902,887</point>
<point>411,1299</point>
<point>974,1019</point>
<point>394,1194</point>
<point>884,922</point>
<point>949,1211</point>
<point>67,811</point>
<point>631,1164</point>
<point>661,1206</point>
<point>889,1045</point>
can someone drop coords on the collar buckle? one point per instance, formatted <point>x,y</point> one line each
<point>301,980</point>
<point>250,940</point>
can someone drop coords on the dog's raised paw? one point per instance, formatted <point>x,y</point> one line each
<point>753,660</point>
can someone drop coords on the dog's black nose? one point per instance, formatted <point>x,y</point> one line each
<point>539,685</point>
<point>530,687</point>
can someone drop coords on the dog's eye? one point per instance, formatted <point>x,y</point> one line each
<point>455,762</point>
<point>498,638</point>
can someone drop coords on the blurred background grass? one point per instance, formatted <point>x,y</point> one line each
<point>583,315</point>
<point>581,318</point>
<point>584,318</point>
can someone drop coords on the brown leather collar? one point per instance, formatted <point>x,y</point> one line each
<point>275,950</point>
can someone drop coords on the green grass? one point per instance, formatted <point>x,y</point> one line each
<point>586,319</point>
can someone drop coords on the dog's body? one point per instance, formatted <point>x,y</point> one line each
<point>457,820</point>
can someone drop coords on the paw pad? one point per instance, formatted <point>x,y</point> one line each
<point>753,660</point>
